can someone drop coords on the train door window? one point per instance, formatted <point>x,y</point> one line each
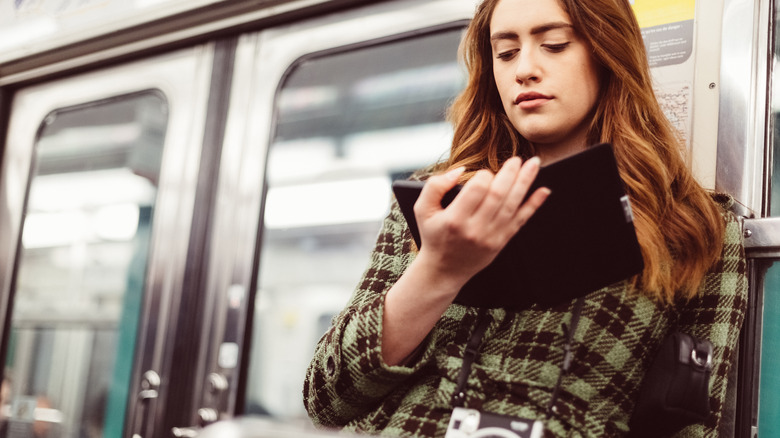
<point>769,380</point>
<point>82,265</point>
<point>347,124</point>
<point>774,122</point>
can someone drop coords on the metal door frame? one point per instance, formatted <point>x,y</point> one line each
<point>183,77</point>
<point>262,61</point>
<point>744,171</point>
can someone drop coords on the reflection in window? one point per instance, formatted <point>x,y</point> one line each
<point>347,125</point>
<point>82,268</point>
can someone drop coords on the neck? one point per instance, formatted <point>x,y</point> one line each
<point>551,153</point>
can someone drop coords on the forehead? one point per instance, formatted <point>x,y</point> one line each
<point>522,15</point>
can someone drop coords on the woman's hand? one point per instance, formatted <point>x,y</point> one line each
<point>457,242</point>
<point>462,239</point>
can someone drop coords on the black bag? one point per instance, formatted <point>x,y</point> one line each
<point>675,391</point>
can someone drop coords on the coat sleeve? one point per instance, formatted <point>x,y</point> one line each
<point>347,376</point>
<point>717,314</point>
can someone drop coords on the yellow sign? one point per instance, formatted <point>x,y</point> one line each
<point>652,13</point>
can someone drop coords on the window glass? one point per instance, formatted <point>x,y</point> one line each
<point>774,123</point>
<point>774,193</point>
<point>81,269</point>
<point>774,206</point>
<point>769,392</point>
<point>347,124</point>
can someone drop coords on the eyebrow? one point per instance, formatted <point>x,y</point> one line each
<point>536,30</point>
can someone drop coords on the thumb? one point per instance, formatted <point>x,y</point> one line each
<point>434,190</point>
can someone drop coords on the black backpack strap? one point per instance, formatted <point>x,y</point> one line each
<point>567,354</point>
<point>472,347</point>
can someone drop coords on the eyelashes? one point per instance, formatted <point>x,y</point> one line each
<point>506,56</point>
<point>556,48</point>
<point>552,48</point>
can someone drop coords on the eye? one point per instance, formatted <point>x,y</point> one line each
<point>556,48</point>
<point>507,55</point>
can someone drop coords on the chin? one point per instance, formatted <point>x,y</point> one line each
<point>541,139</point>
<point>539,133</point>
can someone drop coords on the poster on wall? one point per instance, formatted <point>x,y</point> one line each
<point>668,31</point>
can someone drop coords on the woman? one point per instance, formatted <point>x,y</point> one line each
<point>547,78</point>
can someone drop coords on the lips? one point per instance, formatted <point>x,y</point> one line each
<point>531,99</point>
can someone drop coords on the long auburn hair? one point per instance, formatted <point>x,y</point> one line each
<point>678,225</point>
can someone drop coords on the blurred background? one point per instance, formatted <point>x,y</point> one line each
<point>190,190</point>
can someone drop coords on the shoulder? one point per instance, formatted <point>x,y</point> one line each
<point>725,202</point>
<point>426,172</point>
<point>728,275</point>
<point>731,211</point>
<point>729,207</point>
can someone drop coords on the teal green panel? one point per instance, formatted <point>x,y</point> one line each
<point>11,352</point>
<point>769,392</point>
<point>118,392</point>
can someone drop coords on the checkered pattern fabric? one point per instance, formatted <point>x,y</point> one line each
<point>348,386</point>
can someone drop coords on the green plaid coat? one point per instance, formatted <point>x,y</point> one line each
<point>348,385</point>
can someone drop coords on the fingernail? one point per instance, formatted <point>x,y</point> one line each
<point>455,173</point>
<point>536,161</point>
<point>514,159</point>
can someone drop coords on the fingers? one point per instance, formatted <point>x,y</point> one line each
<point>487,201</point>
<point>495,198</point>
<point>434,190</point>
<point>485,192</point>
<point>524,210</point>
<point>470,199</point>
<point>515,197</point>
<point>487,212</point>
<point>490,198</point>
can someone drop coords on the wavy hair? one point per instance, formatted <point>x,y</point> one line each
<point>679,227</point>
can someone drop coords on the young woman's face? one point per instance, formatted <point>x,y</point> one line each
<point>546,76</point>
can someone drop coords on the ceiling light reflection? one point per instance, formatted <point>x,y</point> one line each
<point>328,203</point>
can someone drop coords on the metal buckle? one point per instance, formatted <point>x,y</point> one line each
<point>704,362</point>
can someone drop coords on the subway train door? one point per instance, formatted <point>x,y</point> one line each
<point>96,204</point>
<point>324,114</point>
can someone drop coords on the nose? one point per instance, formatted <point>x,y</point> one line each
<point>527,68</point>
